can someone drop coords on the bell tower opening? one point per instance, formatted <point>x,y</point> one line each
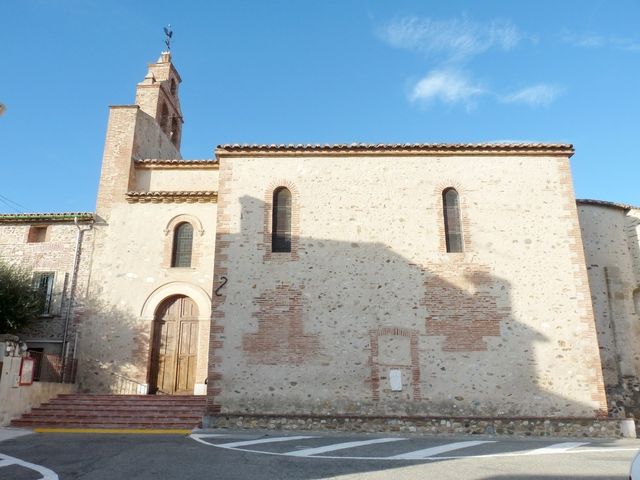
<point>157,96</point>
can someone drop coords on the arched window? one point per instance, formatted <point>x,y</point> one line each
<point>182,244</point>
<point>175,131</point>
<point>452,224</point>
<point>281,221</point>
<point>164,117</point>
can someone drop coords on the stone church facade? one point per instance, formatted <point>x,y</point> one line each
<point>393,280</point>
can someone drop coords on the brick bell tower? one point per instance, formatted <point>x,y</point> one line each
<point>157,96</point>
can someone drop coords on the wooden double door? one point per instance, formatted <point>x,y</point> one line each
<point>174,347</point>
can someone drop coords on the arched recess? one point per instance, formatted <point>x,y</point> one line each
<point>196,246</point>
<point>178,315</point>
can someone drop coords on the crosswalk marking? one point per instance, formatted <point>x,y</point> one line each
<point>339,446</point>
<point>429,452</point>
<point>261,440</point>
<point>556,448</point>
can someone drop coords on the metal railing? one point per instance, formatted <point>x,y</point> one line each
<point>126,386</point>
<point>123,385</point>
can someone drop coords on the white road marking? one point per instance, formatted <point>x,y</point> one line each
<point>339,446</point>
<point>441,457</point>
<point>430,452</point>
<point>556,448</point>
<point>261,440</point>
<point>198,437</point>
<point>6,460</point>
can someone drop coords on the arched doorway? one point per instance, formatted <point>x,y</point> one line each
<point>174,346</point>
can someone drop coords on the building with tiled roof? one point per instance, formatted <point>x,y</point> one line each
<point>325,282</point>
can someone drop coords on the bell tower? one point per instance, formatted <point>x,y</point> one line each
<point>157,96</point>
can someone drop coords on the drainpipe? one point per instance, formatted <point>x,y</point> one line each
<point>72,288</point>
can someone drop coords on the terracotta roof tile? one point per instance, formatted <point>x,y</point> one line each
<point>165,196</point>
<point>437,148</point>
<point>603,203</point>
<point>46,217</point>
<point>169,163</point>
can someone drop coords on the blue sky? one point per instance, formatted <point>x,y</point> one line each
<point>320,72</point>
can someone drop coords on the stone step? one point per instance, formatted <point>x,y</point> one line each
<point>111,414</point>
<point>104,423</point>
<point>133,409</point>
<point>76,403</point>
<point>134,398</point>
<point>116,411</point>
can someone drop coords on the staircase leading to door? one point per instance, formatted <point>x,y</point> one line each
<point>116,411</point>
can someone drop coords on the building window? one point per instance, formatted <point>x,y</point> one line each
<point>173,87</point>
<point>43,286</point>
<point>182,245</point>
<point>281,221</point>
<point>452,224</point>
<point>37,234</point>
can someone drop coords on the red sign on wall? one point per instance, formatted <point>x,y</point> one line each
<point>27,369</point>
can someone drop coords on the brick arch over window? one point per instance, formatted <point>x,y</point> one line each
<point>169,233</point>
<point>438,196</point>
<point>266,245</point>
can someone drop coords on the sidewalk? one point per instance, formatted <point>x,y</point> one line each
<point>7,433</point>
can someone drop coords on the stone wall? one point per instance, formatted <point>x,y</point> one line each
<point>517,426</point>
<point>611,241</point>
<point>369,291</point>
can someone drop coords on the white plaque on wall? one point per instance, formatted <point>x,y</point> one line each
<point>395,380</point>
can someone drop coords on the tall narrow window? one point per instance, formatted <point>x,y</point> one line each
<point>281,221</point>
<point>452,224</point>
<point>43,286</point>
<point>182,245</point>
<point>164,118</point>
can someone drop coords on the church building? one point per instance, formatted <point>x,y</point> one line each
<point>348,280</point>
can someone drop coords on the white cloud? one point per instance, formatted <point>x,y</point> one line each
<point>455,39</point>
<point>447,86</point>
<point>600,41</point>
<point>535,96</point>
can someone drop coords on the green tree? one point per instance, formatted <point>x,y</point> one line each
<point>19,302</point>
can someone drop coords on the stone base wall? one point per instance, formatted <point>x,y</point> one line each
<point>624,398</point>
<point>521,426</point>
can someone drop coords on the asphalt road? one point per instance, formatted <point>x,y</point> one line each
<point>303,455</point>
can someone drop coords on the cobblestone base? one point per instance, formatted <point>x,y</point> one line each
<point>533,427</point>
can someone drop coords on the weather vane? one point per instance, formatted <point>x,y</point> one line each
<point>169,33</point>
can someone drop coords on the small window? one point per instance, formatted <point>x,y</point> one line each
<point>173,87</point>
<point>182,245</point>
<point>43,286</point>
<point>37,234</point>
<point>281,221</point>
<point>452,224</point>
